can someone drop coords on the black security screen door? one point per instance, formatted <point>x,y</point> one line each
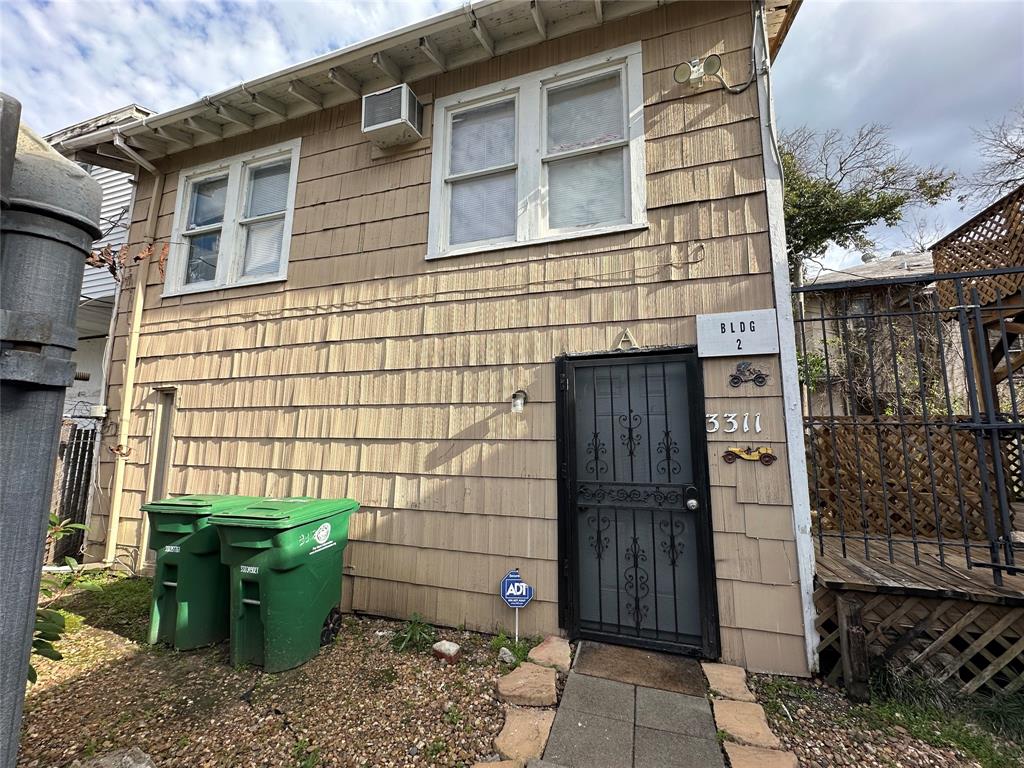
<point>634,518</point>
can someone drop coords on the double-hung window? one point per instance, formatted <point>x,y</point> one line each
<point>548,156</point>
<point>233,221</point>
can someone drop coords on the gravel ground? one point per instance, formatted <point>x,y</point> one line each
<point>358,703</point>
<point>818,723</point>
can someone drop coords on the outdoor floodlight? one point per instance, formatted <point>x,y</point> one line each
<point>693,72</point>
<point>518,401</point>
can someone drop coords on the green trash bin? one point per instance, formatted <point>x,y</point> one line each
<point>190,584</point>
<point>284,557</point>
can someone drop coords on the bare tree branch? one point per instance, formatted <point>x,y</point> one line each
<point>1001,146</point>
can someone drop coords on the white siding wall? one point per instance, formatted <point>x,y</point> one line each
<point>117,197</point>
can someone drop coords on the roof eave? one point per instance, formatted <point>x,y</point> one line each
<point>484,26</point>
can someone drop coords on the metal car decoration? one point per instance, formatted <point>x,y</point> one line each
<point>746,372</point>
<point>764,454</point>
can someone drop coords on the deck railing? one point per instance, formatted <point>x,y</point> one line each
<point>912,416</point>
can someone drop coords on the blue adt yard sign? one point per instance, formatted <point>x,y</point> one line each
<point>514,591</point>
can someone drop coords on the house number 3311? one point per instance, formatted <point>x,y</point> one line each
<point>733,422</point>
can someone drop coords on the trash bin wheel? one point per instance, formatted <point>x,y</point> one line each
<point>332,626</point>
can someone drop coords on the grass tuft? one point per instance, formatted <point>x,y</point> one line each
<point>520,650</point>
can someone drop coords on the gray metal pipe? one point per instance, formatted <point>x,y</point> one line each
<point>50,217</point>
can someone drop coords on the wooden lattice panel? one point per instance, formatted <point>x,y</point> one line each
<point>991,240</point>
<point>974,644</point>
<point>898,478</point>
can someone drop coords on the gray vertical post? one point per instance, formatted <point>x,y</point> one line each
<point>49,218</point>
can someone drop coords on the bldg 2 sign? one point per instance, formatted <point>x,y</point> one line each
<point>753,332</point>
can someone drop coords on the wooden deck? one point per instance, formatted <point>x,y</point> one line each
<point>928,578</point>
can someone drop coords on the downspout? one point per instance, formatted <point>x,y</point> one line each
<point>128,386</point>
<point>792,407</point>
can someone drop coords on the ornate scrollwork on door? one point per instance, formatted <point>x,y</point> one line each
<point>595,449</point>
<point>635,582</point>
<point>629,495</point>
<point>598,540</point>
<point>673,545</point>
<point>668,448</point>
<point>631,437</point>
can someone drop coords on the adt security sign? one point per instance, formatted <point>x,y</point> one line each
<point>514,591</point>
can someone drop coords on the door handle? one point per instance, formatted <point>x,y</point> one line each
<point>692,505</point>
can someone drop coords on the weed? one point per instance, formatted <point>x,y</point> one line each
<point>936,713</point>
<point>305,756</point>
<point>435,749</point>
<point>776,692</point>
<point>519,650</point>
<point>722,736</point>
<point>415,635</point>
<point>379,679</point>
<point>453,716</point>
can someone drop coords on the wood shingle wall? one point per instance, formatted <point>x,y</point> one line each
<point>376,374</point>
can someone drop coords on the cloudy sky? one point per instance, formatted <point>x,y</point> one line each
<point>931,70</point>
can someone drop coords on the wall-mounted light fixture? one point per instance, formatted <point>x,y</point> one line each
<point>693,72</point>
<point>518,401</point>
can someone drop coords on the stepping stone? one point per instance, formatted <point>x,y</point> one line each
<point>728,681</point>
<point>553,652</point>
<point>525,733</point>
<point>529,685</point>
<point>742,756</point>
<point>745,722</point>
<point>500,764</point>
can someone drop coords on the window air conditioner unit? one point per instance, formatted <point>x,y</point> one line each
<point>392,117</point>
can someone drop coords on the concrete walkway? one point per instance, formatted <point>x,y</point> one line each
<point>604,723</point>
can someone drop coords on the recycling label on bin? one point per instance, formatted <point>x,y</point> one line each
<point>322,537</point>
<point>514,591</point>
<point>172,548</point>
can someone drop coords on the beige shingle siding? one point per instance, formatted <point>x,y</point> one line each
<point>376,374</point>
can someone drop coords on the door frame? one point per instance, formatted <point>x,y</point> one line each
<point>568,571</point>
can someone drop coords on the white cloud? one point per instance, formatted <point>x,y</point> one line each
<point>71,60</point>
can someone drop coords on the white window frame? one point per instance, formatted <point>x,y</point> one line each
<point>231,257</point>
<point>529,92</point>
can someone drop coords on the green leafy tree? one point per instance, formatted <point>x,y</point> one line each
<point>838,186</point>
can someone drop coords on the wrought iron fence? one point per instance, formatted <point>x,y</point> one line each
<point>912,417</point>
<point>71,483</point>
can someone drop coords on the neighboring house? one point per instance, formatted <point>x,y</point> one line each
<point>486,335</point>
<point>98,286</point>
<point>851,306</point>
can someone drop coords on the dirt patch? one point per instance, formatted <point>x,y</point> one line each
<point>358,703</point>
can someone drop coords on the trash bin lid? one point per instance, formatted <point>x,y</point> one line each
<point>199,504</point>
<point>283,513</point>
